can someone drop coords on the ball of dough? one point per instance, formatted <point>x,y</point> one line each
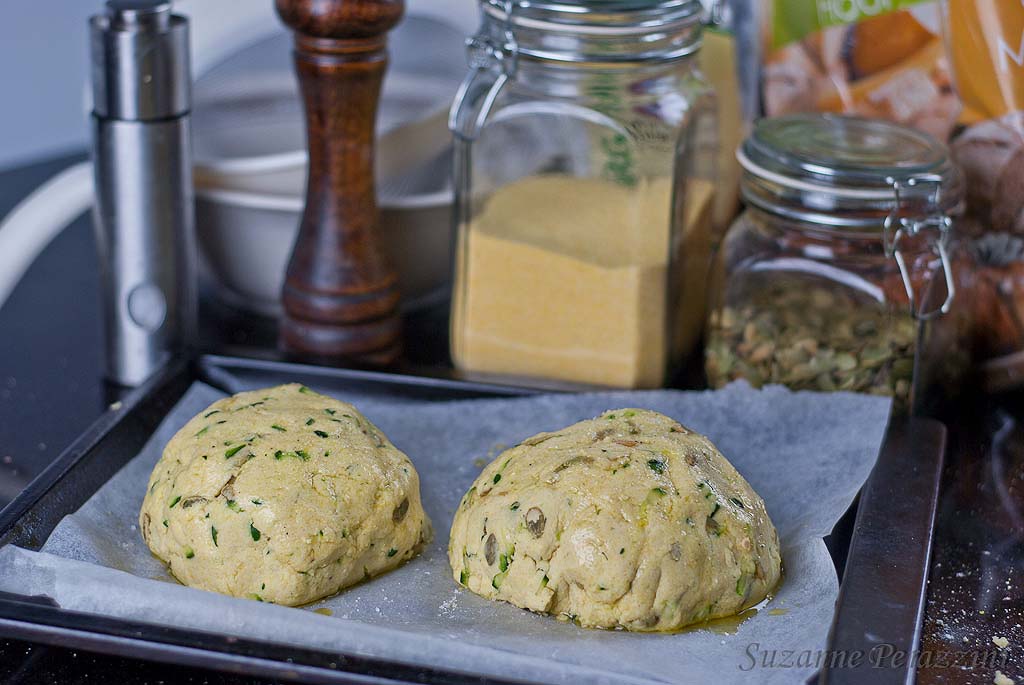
<point>628,520</point>
<point>282,495</point>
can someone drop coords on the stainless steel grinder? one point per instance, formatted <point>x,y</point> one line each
<point>144,215</point>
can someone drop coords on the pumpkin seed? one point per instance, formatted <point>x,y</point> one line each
<point>812,338</point>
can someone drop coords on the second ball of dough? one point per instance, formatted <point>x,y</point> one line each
<point>628,521</point>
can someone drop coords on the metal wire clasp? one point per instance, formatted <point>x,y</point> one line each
<point>484,52</point>
<point>897,226</point>
<point>480,89</point>
<point>716,16</point>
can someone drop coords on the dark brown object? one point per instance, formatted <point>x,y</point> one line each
<point>340,298</point>
<point>992,275</point>
<point>991,155</point>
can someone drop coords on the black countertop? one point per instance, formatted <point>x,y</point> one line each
<point>51,389</point>
<point>50,344</point>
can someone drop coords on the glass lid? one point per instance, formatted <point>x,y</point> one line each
<point>626,15</point>
<point>843,152</point>
<point>609,31</point>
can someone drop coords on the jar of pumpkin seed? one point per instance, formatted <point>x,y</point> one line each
<point>831,275</point>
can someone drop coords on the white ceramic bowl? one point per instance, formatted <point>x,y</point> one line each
<point>245,241</point>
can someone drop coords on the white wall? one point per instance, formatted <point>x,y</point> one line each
<point>44,61</point>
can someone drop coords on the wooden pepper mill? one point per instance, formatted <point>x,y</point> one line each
<point>340,297</point>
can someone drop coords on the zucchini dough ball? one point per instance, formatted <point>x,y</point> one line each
<point>282,495</point>
<point>627,521</point>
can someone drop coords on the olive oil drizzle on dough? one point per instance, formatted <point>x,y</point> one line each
<point>729,625</point>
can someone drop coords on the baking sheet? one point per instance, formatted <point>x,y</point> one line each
<point>806,453</point>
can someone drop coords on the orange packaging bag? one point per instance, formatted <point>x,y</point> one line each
<point>875,58</point>
<point>986,48</point>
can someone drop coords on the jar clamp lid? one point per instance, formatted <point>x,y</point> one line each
<point>847,173</point>
<point>603,32</point>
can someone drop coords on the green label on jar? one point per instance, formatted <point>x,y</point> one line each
<point>793,20</point>
<point>616,148</point>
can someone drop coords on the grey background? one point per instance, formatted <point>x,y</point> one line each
<point>44,63</point>
<point>43,66</point>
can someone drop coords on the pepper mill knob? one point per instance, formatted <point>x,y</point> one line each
<point>340,297</point>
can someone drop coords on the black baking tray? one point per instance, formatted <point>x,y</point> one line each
<point>881,547</point>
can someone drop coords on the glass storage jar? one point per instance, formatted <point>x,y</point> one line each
<point>841,257</point>
<point>584,158</point>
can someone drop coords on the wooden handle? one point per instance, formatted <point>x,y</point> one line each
<point>340,297</point>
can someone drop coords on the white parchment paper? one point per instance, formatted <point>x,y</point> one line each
<point>807,454</point>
